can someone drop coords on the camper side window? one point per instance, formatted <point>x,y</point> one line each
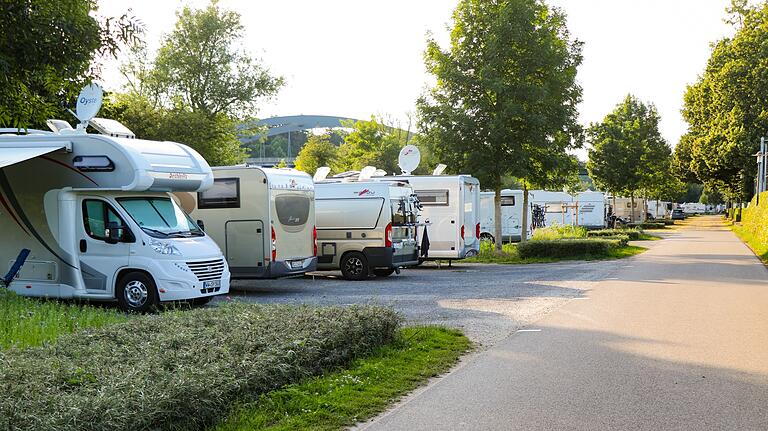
<point>96,215</point>
<point>433,197</point>
<point>225,193</point>
<point>507,201</point>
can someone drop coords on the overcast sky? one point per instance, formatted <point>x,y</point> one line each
<point>358,58</point>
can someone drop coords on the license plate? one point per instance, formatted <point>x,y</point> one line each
<point>212,284</point>
<point>397,245</point>
<point>297,264</point>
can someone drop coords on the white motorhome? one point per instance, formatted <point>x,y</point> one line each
<point>622,208</point>
<point>263,219</point>
<point>694,208</point>
<point>450,206</point>
<point>366,227</point>
<point>659,209</point>
<point>591,209</point>
<point>558,206</point>
<point>96,213</point>
<point>511,215</point>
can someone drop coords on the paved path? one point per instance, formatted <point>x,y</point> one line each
<point>676,338</point>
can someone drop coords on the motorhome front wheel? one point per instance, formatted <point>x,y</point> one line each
<point>136,292</point>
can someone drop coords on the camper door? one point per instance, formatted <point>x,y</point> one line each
<point>101,250</point>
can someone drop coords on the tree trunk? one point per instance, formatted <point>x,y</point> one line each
<point>631,207</point>
<point>524,229</point>
<point>497,218</point>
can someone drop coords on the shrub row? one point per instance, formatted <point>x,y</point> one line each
<point>180,370</point>
<point>647,225</point>
<point>569,247</point>
<point>632,234</point>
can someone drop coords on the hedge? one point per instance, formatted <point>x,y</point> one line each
<point>568,247</point>
<point>632,234</point>
<point>180,370</point>
<point>647,225</point>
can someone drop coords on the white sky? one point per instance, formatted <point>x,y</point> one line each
<point>358,58</point>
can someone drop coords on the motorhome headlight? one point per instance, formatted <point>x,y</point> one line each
<point>164,247</point>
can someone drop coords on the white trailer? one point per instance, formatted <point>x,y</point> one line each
<point>622,208</point>
<point>450,206</point>
<point>366,227</point>
<point>263,219</point>
<point>511,215</point>
<point>96,214</point>
<point>659,209</point>
<point>558,206</point>
<point>694,208</point>
<point>592,209</point>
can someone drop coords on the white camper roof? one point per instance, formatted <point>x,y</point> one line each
<point>359,189</point>
<point>547,196</point>
<point>131,164</point>
<point>279,178</point>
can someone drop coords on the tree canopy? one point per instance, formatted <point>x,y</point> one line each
<point>48,50</point>
<point>318,151</point>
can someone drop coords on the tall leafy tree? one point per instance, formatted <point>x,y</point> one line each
<point>370,143</point>
<point>627,152</point>
<point>506,94</point>
<point>48,50</point>
<point>318,151</point>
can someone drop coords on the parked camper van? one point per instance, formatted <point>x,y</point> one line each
<point>96,214</point>
<point>366,227</point>
<point>591,209</point>
<point>450,207</point>
<point>622,208</point>
<point>659,209</point>
<point>263,219</point>
<point>511,214</point>
<point>558,206</point>
<point>694,208</point>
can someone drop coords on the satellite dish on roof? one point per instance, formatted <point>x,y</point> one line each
<point>88,103</point>
<point>366,173</point>
<point>321,173</point>
<point>380,173</point>
<point>439,169</point>
<point>409,159</point>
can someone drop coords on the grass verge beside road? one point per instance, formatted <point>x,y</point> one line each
<point>760,248</point>
<point>510,255</point>
<point>352,395</point>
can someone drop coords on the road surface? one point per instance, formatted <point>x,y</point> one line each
<point>676,338</point>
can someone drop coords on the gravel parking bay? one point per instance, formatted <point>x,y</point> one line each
<point>488,302</point>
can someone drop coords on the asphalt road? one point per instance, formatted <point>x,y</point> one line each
<point>488,302</point>
<point>675,338</point>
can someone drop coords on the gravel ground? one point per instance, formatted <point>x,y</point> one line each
<point>488,302</point>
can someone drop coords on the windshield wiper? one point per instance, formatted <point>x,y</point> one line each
<point>186,233</point>
<point>166,235</point>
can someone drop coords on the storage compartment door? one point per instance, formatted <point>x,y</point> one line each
<point>245,246</point>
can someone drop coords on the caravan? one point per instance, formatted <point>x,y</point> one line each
<point>558,206</point>
<point>622,209</point>
<point>591,209</point>
<point>511,215</point>
<point>659,209</point>
<point>95,212</point>
<point>450,206</point>
<point>263,219</point>
<point>366,227</point>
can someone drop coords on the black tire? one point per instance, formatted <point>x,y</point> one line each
<point>354,266</point>
<point>136,293</point>
<point>199,302</point>
<point>383,272</point>
<point>487,237</point>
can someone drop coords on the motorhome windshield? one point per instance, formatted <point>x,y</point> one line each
<point>160,217</point>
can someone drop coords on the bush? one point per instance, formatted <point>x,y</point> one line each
<point>559,232</point>
<point>180,370</point>
<point>568,247</point>
<point>647,225</point>
<point>631,234</point>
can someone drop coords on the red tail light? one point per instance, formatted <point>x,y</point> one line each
<point>314,240</point>
<point>462,231</point>
<point>274,245</point>
<point>477,230</point>
<point>388,236</point>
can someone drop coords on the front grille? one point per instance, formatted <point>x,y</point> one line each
<point>206,270</point>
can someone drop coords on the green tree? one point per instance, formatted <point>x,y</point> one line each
<point>725,108</point>
<point>627,151</point>
<point>199,63</point>
<point>506,94</point>
<point>370,143</point>
<point>48,50</point>
<point>318,151</point>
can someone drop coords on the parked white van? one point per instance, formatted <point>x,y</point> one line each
<point>366,227</point>
<point>450,207</point>
<point>511,214</point>
<point>96,214</point>
<point>592,209</point>
<point>558,206</point>
<point>622,208</point>
<point>263,219</point>
<point>659,209</point>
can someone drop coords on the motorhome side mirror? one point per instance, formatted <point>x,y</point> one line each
<point>112,232</point>
<point>201,225</point>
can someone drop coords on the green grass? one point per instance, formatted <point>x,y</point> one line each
<point>509,255</point>
<point>345,397</point>
<point>760,248</point>
<point>647,237</point>
<point>26,322</point>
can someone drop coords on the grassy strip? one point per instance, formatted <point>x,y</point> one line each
<point>343,398</point>
<point>760,248</point>
<point>26,322</point>
<point>647,237</point>
<point>510,255</point>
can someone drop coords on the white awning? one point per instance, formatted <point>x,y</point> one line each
<point>12,155</point>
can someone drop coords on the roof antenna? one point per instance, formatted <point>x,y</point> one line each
<point>88,105</point>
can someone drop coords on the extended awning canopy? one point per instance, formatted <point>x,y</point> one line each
<point>12,155</point>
